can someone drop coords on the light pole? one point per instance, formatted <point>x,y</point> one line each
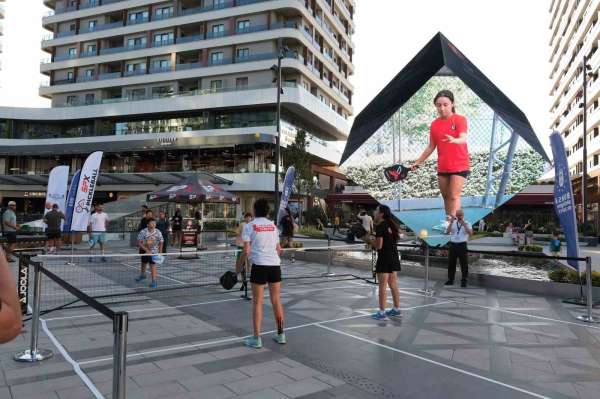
<point>281,50</point>
<point>587,72</point>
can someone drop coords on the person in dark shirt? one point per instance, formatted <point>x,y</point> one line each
<point>287,229</point>
<point>176,223</point>
<point>388,260</point>
<point>162,224</point>
<point>53,220</point>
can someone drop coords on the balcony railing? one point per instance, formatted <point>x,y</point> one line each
<point>135,72</point>
<point>138,21</point>
<point>100,27</point>
<point>163,43</point>
<point>63,57</point>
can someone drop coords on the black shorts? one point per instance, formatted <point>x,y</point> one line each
<point>265,274</point>
<point>387,267</point>
<point>464,173</point>
<point>146,258</point>
<point>53,234</point>
<point>11,237</point>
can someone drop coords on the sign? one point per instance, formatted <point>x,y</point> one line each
<point>189,235</point>
<point>563,198</point>
<point>70,203</point>
<point>57,187</point>
<point>286,191</point>
<point>23,286</point>
<point>85,191</point>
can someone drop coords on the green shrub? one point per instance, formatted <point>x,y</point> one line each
<point>564,275</point>
<point>298,244</point>
<point>530,248</point>
<point>311,232</point>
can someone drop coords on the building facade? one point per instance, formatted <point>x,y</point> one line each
<point>575,33</point>
<point>165,87</point>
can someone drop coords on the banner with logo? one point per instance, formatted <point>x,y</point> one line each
<point>286,191</point>
<point>57,187</point>
<point>70,203</point>
<point>85,191</point>
<point>563,198</point>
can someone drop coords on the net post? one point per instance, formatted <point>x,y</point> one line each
<point>329,273</point>
<point>33,354</point>
<point>120,327</point>
<point>426,289</point>
<point>589,317</point>
<point>23,283</point>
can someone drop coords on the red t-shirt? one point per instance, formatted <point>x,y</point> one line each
<point>451,157</point>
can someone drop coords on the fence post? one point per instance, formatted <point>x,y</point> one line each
<point>589,317</point>
<point>426,289</point>
<point>33,354</point>
<point>120,327</point>
<point>329,273</point>
<point>23,283</point>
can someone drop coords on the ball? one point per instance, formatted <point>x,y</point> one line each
<point>423,233</point>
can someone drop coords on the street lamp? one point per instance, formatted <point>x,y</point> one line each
<point>281,51</point>
<point>587,73</point>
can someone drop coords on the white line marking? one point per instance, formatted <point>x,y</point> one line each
<point>234,339</point>
<point>158,274</point>
<point>432,361</point>
<point>68,358</point>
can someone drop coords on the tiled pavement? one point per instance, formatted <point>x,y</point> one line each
<point>464,343</point>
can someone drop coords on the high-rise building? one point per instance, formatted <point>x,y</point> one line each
<point>170,87</point>
<point>575,34</point>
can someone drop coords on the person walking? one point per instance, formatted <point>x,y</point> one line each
<point>459,231</point>
<point>150,242</point>
<point>262,248</point>
<point>9,229</point>
<point>528,228</point>
<point>53,220</point>
<point>97,231</point>
<point>176,225</point>
<point>162,224</point>
<point>388,261</point>
<point>287,229</point>
<point>239,243</point>
<point>555,244</point>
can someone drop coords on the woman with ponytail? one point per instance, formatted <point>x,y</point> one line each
<point>388,260</point>
<point>448,133</point>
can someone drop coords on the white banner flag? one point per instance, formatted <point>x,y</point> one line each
<point>85,191</point>
<point>57,188</point>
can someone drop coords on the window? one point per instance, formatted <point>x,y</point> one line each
<point>219,3</point>
<point>92,24</point>
<point>162,39</point>
<point>72,51</point>
<point>90,48</point>
<point>243,26</point>
<point>89,73</point>
<point>136,94</point>
<point>89,98</point>
<point>218,30</point>
<point>216,85</point>
<point>161,65</point>
<point>72,27</point>
<point>136,69</point>
<point>70,75</point>
<point>242,53</point>
<point>216,58</point>
<point>162,91</point>
<point>163,12</point>
<point>241,83</point>
<point>138,42</point>
<point>71,100</point>
<point>137,17</point>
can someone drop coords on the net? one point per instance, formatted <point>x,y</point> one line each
<point>113,278</point>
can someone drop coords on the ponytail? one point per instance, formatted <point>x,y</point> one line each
<point>387,216</point>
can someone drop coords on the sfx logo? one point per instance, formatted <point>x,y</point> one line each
<point>80,207</point>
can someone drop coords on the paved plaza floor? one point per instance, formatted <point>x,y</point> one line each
<point>460,343</point>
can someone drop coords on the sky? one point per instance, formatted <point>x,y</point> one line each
<point>507,40</point>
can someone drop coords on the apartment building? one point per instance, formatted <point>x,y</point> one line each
<point>575,33</point>
<point>165,87</point>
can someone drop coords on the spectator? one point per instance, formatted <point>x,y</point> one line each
<point>10,308</point>
<point>459,231</point>
<point>336,223</point>
<point>176,224</point>
<point>366,221</point>
<point>528,232</point>
<point>162,224</point>
<point>9,228</point>
<point>555,244</point>
<point>53,234</point>
<point>97,230</point>
<point>481,226</point>
<point>147,214</point>
<point>287,229</point>
<point>239,242</point>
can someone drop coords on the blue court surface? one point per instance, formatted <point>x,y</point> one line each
<point>460,343</point>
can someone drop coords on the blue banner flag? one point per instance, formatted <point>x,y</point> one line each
<point>286,191</point>
<point>71,202</point>
<point>563,198</point>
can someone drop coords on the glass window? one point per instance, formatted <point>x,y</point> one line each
<point>218,30</point>
<point>90,48</point>
<point>92,24</point>
<point>89,73</point>
<point>161,65</point>
<point>164,12</point>
<point>72,51</point>
<point>69,75</point>
<point>241,83</point>
<point>243,26</point>
<point>216,85</point>
<point>136,94</point>
<point>219,3</point>
<point>216,58</point>
<point>89,98</point>
<point>162,91</point>
<point>137,42</point>
<point>242,53</point>
<point>71,100</point>
<point>163,38</point>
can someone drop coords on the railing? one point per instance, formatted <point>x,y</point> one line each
<point>162,16</point>
<point>64,57</point>
<point>138,21</point>
<point>160,69</point>
<point>163,43</point>
<point>135,72</point>
<point>100,27</point>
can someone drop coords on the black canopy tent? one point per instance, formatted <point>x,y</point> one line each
<point>438,55</point>
<point>193,190</point>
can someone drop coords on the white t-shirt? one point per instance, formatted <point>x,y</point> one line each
<point>458,232</point>
<point>98,221</point>
<point>367,221</point>
<point>262,235</point>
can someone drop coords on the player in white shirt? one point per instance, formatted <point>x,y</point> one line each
<point>97,230</point>
<point>261,246</point>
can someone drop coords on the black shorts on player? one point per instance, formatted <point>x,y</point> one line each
<point>265,274</point>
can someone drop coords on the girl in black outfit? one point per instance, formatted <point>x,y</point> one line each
<point>176,224</point>
<point>388,260</point>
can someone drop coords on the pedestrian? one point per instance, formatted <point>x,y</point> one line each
<point>287,229</point>
<point>528,232</point>
<point>366,221</point>
<point>10,307</point>
<point>388,260</point>
<point>53,220</point>
<point>9,229</point>
<point>336,223</point>
<point>555,244</point>
<point>146,214</point>
<point>262,248</point>
<point>176,224</point>
<point>162,224</point>
<point>239,243</point>
<point>97,231</point>
<point>459,231</point>
<point>150,242</point>
<point>481,226</point>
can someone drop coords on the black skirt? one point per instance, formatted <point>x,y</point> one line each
<point>387,262</point>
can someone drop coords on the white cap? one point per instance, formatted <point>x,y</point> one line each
<point>12,203</point>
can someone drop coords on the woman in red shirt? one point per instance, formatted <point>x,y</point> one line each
<point>448,133</point>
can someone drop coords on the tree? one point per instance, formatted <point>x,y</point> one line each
<point>296,155</point>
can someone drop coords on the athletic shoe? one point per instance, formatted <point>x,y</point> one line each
<point>379,315</point>
<point>104,259</point>
<point>153,284</point>
<point>253,342</point>
<point>140,278</point>
<point>449,282</point>
<point>393,313</point>
<point>463,284</point>
<point>280,339</point>
<point>443,226</point>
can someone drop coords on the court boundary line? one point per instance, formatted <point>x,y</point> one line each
<point>234,339</point>
<point>74,364</point>
<point>434,362</point>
